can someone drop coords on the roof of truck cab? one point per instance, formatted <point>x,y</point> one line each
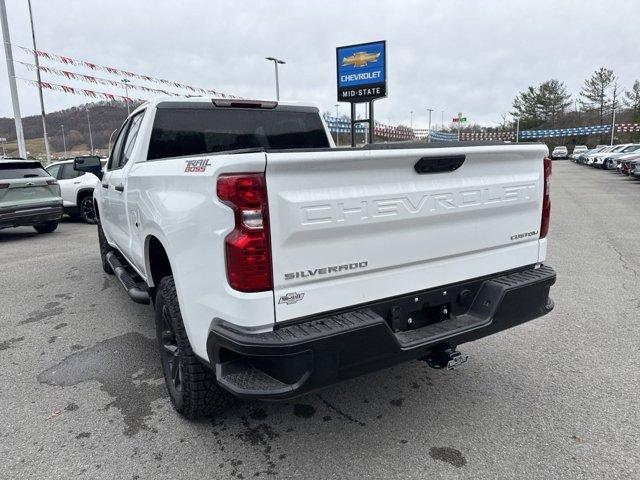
<point>194,101</point>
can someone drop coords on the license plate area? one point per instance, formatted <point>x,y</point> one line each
<point>420,309</point>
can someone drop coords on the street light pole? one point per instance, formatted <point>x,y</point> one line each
<point>126,81</point>
<point>411,121</point>
<point>337,105</point>
<point>22,151</point>
<point>90,136</point>
<point>64,142</point>
<point>276,61</point>
<point>37,62</point>
<point>429,131</point>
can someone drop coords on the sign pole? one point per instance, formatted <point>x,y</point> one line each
<point>353,124</point>
<point>518,130</point>
<point>371,122</point>
<point>22,151</point>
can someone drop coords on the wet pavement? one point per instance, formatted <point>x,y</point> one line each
<point>83,396</point>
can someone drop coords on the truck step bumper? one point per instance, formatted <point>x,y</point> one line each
<point>313,353</point>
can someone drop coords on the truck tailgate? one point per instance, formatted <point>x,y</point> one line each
<point>353,226</point>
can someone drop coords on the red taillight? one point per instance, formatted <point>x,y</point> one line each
<point>247,247</point>
<point>546,199</point>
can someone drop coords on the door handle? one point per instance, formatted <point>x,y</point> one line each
<point>105,185</point>
<point>439,164</point>
<point>119,188</point>
<point>76,183</point>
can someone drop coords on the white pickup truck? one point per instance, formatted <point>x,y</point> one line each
<point>278,264</point>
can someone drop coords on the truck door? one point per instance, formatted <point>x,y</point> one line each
<point>115,180</point>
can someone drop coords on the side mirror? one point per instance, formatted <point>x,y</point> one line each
<point>88,164</point>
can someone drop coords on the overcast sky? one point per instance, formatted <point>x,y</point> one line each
<point>468,56</point>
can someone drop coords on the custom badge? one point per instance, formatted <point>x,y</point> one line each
<point>197,166</point>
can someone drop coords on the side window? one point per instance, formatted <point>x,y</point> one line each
<point>53,170</point>
<point>114,157</point>
<point>130,141</point>
<point>67,172</point>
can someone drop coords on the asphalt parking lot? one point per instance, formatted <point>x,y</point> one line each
<point>82,393</point>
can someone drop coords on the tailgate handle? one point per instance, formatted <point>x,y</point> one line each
<point>439,164</point>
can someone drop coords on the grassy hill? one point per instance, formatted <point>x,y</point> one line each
<point>105,118</point>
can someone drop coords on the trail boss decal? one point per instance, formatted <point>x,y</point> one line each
<point>197,166</point>
<point>291,298</point>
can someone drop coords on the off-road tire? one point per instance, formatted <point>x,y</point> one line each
<point>87,209</point>
<point>196,393</point>
<point>104,249</point>
<point>46,227</point>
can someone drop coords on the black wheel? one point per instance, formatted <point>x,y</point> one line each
<point>104,249</point>
<point>192,386</point>
<point>87,211</point>
<point>46,227</point>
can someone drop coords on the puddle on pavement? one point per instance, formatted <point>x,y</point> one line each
<point>128,370</point>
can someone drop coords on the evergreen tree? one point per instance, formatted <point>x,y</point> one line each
<point>632,100</point>
<point>525,107</point>
<point>553,100</point>
<point>594,91</point>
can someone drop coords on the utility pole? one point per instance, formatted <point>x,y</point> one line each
<point>90,136</point>
<point>429,131</point>
<point>277,62</point>
<point>518,130</point>
<point>613,107</point>
<point>64,142</point>
<point>37,62</point>
<point>22,151</point>
<point>126,81</point>
<point>337,105</point>
<point>613,125</point>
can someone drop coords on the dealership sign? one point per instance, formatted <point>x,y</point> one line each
<point>362,72</point>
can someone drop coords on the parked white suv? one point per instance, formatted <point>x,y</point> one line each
<point>560,152</point>
<point>278,264</point>
<point>77,189</point>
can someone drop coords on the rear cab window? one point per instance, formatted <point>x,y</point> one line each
<point>186,131</point>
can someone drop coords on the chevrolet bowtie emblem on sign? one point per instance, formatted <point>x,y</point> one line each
<point>360,59</point>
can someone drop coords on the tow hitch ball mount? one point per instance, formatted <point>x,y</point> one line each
<point>445,357</point>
